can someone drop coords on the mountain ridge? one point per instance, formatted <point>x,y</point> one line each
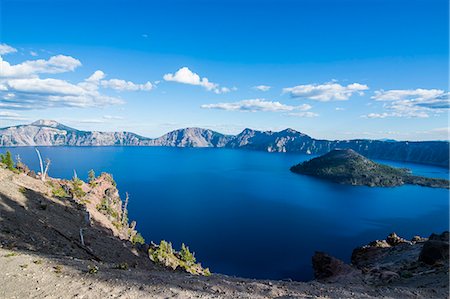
<point>52,133</point>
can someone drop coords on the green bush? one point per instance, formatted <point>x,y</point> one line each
<point>59,192</point>
<point>187,256</point>
<point>77,191</point>
<point>91,175</point>
<point>106,209</point>
<point>7,160</point>
<point>138,239</point>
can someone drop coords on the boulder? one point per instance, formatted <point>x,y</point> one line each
<point>436,249</point>
<point>326,266</point>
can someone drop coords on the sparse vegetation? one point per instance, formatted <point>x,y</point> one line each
<point>105,207</point>
<point>7,160</point>
<point>76,188</point>
<point>165,255</point>
<point>22,190</point>
<point>11,254</point>
<point>122,266</point>
<point>186,255</point>
<point>138,239</point>
<point>91,178</point>
<point>92,269</point>
<point>109,177</point>
<point>59,192</point>
<point>37,262</point>
<point>57,269</point>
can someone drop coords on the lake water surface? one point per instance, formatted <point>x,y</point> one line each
<point>244,213</point>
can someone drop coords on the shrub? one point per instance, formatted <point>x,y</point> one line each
<point>7,160</point>
<point>138,239</point>
<point>187,256</point>
<point>59,192</point>
<point>122,266</point>
<point>105,207</point>
<point>91,175</point>
<point>77,191</point>
<point>92,269</point>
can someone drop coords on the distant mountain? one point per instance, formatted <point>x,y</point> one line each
<point>345,166</point>
<point>52,133</point>
<point>190,137</point>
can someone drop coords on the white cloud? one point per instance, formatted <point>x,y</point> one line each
<point>54,65</point>
<point>6,49</point>
<point>254,105</point>
<point>33,53</point>
<point>339,109</point>
<point>326,92</point>
<point>407,94</point>
<point>415,103</point>
<point>307,114</point>
<point>96,77</point>
<point>262,87</point>
<point>121,85</point>
<point>186,76</point>
<point>112,117</point>
<point>6,115</point>
<point>22,88</point>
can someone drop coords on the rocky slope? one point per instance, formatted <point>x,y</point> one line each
<point>42,254</point>
<point>45,132</point>
<point>345,166</point>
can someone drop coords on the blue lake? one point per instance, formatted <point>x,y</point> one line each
<point>244,213</point>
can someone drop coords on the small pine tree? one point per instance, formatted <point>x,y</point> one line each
<point>186,255</point>
<point>7,160</point>
<point>91,175</point>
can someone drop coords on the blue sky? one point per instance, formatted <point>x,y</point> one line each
<point>331,69</point>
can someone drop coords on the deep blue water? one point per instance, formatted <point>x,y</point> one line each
<point>244,213</point>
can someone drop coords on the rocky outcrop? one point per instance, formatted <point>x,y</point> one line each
<point>345,166</point>
<point>435,250</point>
<point>327,267</point>
<point>392,261</point>
<point>52,133</point>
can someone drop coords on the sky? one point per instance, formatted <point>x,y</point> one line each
<point>331,69</point>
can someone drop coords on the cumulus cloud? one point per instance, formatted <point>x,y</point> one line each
<point>254,105</point>
<point>262,87</point>
<point>331,91</point>
<point>185,76</point>
<point>117,84</point>
<point>21,86</point>
<point>54,65</point>
<point>121,85</point>
<point>416,103</point>
<point>6,49</point>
